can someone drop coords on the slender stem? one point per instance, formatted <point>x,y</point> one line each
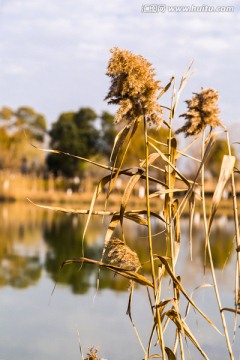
<point>169,220</point>
<point>148,207</point>
<point>236,224</point>
<point>211,259</point>
<point>168,204</point>
<point>181,345</point>
<point>169,197</point>
<point>158,317</point>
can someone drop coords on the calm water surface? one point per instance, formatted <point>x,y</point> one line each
<point>36,324</point>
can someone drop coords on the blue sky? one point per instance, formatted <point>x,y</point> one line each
<point>54,53</point>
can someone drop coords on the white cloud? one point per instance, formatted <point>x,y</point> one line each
<point>14,69</point>
<point>54,53</point>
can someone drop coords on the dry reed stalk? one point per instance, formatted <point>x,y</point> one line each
<point>207,226</point>
<point>135,90</point>
<point>237,232</point>
<point>151,257</point>
<point>202,111</point>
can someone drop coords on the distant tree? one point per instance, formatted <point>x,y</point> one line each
<point>23,120</point>
<point>6,113</point>
<point>74,133</point>
<point>85,119</point>
<point>214,160</point>
<point>17,128</point>
<point>64,137</point>
<point>4,147</point>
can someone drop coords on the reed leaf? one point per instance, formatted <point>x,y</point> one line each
<point>177,233</point>
<point>210,141</point>
<point>128,190</point>
<point>128,274</point>
<point>177,283</point>
<point>170,354</point>
<point>191,216</point>
<point>151,337</point>
<point>133,215</point>
<point>59,152</point>
<point>129,313</point>
<point>167,191</point>
<point>191,295</point>
<point>176,220</point>
<point>181,87</point>
<point>225,173</point>
<point>161,306</point>
<point>119,141</point>
<point>136,218</point>
<point>165,89</point>
<point>151,158</point>
<point>182,326</point>
<point>235,311</point>
<point>111,227</point>
<point>127,172</point>
<point>183,151</point>
<point>155,356</point>
<point>133,181</point>
<point>118,146</point>
<point>98,190</point>
<point>73,211</point>
<point>184,179</point>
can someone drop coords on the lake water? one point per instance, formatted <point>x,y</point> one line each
<point>38,324</point>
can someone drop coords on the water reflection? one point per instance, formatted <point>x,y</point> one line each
<point>221,241</point>
<point>64,239</point>
<point>33,239</point>
<point>222,245</point>
<point>33,244</point>
<point>20,248</point>
<point>19,271</point>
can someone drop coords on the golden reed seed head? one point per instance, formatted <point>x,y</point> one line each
<point>133,87</point>
<point>92,354</point>
<point>118,253</point>
<point>202,111</point>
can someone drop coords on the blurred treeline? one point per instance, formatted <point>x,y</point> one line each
<point>83,133</point>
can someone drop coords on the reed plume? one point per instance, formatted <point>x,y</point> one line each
<point>118,253</point>
<point>202,111</point>
<point>133,87</point>
<point>92,354</point>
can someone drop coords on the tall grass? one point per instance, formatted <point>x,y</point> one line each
<point>135,90</point>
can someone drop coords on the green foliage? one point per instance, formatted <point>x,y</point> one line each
<point>73,133</point>
<point>85,117</point>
